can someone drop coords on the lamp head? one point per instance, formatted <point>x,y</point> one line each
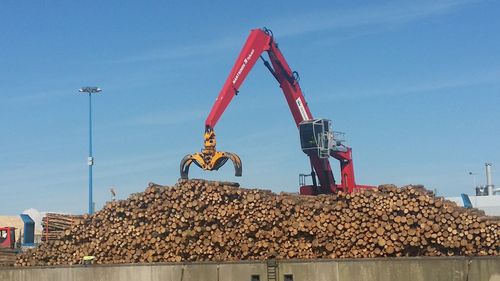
<point>90,90</point>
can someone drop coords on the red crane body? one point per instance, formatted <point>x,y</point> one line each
<point>258,42</point>
<point>7,237</point>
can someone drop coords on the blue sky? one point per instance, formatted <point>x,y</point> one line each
<point>414,84</point>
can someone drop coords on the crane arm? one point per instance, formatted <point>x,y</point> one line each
<point>209,158</point>
<point>289,83</point>
<point>258,41</point>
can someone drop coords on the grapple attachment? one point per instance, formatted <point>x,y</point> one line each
<point>209,159</point>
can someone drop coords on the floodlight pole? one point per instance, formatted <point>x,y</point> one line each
<point>90,159</point>
<point>474,177</point>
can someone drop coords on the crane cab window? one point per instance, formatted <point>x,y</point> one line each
<point>3,235</point>
<point>307,137</point>
<point>288,277</point>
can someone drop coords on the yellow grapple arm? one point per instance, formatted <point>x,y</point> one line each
<point>209,158</point>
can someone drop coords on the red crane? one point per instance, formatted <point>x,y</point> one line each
<point>317,138</point>
<point>7,237</point>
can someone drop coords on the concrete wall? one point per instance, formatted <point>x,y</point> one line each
<point>395,269</point>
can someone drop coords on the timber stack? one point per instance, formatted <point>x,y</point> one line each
<point>7,257</point>
<point>55,224</point>
<point>198,220</point>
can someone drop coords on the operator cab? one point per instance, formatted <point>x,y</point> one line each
<point>317,138</point>
<point>7,237</point>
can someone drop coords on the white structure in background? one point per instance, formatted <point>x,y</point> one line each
<point>488,189</point>
<point>487,196</point>
<point>36,216</point>
<point>490,204</point>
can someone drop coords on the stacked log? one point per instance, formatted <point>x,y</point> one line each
<point>7,257</point>
<point>54,225</point>
<point>198,220</point>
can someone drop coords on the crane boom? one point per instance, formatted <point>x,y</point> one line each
<point>258,42</point>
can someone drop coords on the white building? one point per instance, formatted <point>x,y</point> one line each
<point>487,196</point>
<point>489,204</point>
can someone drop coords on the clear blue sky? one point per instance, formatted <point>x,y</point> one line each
<point>414,84</point>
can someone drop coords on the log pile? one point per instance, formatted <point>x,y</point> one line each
<point>54,225</point>
<point>7,257</point>
<point>197,220</point>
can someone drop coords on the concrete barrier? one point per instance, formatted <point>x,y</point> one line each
<point>390,269</point>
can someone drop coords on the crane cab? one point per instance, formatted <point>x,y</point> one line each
<point>316,137</point>
<point>7,237</point>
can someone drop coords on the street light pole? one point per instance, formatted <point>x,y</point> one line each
<point>90,159</point>
<point>473,174</point>
<point>474,177</point>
